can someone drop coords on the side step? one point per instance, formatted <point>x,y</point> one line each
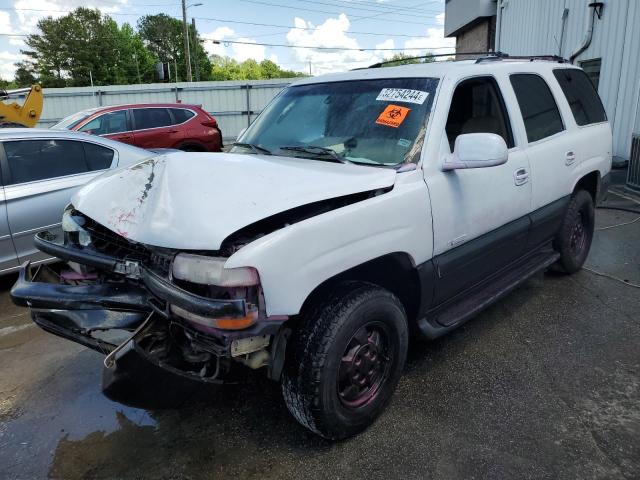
<point>457,311</point>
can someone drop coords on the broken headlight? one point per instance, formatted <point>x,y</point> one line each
<point>72,226</point>
<point>210,271</point>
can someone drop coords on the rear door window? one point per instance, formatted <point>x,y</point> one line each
<point>32,160</point>
<point>537,105</point>
<point>97,156</point>
<point>181,115</point>
<point>581,95</point>
<point>151,118</point>
<point>108,123</point>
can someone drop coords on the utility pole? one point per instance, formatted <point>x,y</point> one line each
<point>187,53</point>
<point>310,74</point>
<point>137,68</point>
<point>195,49</point>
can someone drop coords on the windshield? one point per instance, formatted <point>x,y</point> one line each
<point>71,121</point>
<point>375,122</point>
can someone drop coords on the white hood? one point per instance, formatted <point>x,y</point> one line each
<point>193,201</point>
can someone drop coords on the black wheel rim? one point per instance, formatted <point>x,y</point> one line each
<point>578,239</point>
<point>365,365</point>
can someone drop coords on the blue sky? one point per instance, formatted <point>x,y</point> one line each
<point>409,25</point>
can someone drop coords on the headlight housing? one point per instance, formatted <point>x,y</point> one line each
<point>72,227</point>
<point>210,271</point>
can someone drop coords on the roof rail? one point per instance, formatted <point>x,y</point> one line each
<point>423,57</point>
<point>496,56</point>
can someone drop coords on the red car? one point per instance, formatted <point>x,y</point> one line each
<point>145,125</point>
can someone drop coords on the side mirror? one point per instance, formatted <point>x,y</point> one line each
<point>477,150</point>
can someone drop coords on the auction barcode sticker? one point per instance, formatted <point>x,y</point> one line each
<point>402,95</point>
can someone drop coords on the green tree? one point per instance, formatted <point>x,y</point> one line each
<point>25,75</point>
<point>226,68</point>
<point>163,36</point>
<point>85,44</point>
<point>402,58</point>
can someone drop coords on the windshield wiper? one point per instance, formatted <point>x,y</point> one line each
<point>317,150</point>
<point>256,148</point>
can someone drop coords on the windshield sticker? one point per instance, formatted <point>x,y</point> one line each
<point>402,95</point>
<point>393,116</point>
<point>403,142</point>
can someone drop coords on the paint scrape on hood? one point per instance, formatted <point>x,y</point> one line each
<point>193,201</point>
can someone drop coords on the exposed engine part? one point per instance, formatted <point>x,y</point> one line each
<point>243,346</point>
<point>255,360</point>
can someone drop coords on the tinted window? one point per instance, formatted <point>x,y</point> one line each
<point>581,95</point>
<point>97,156</point>
<point>539,110</point>
<point>31,160</point>
<point>477,107</point>
<point>151,117</point>
<point>112,122</point>
<point>181,115</point>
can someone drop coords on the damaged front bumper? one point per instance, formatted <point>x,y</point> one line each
<point>130,296</point>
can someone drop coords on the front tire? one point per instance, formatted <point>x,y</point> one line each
<point>576,234</point>
<point>345,360</point>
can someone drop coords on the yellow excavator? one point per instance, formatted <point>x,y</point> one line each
<point>26,114</point>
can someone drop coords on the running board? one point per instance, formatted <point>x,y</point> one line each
<point>452,314</point>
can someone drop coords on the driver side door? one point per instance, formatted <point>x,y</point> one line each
<point>480,215</point>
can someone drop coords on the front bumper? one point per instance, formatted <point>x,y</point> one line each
<point>77,312</point>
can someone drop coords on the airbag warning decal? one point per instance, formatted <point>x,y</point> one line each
<point>393,116</point>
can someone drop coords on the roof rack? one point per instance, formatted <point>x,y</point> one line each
<point>486,57</point>
<point>497,56</point>
<point>423,57</point>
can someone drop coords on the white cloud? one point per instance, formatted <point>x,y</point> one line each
<point>238,51</point>
<point>7,64</point>
<point>334,33</point>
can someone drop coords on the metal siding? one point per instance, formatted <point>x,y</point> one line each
<point>227,100</point>
<point>533,27</point>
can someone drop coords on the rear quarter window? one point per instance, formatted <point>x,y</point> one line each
<point>181,115</point>
<point>581,95</point>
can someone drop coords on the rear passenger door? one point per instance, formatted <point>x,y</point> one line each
<point>42,175</point>
<point>155,128</point>
<point>551,150</point>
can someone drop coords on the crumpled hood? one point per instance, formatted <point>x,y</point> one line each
<point>193,201</point>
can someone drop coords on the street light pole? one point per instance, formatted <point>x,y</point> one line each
<point>187,53</point>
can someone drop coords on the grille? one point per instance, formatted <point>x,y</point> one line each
<point>633,174</point>
<point>110,243</point>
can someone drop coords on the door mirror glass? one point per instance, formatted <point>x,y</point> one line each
<point>477,150</point>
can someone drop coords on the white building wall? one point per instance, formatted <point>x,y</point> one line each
<point>528,27</point>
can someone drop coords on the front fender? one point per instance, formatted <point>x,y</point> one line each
<point>294,260</point>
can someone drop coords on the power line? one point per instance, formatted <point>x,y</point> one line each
<point>258,2</point>
<point>351,7</point>
<point>325,48</point>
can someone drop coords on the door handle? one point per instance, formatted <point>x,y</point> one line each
<point>521,176</point>
<point>172,131</point>
<point>122,137</point>
<point>569,157</point>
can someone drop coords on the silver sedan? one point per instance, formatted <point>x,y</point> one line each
<point>40,170</point>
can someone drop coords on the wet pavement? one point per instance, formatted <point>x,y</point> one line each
<point>544,384</point>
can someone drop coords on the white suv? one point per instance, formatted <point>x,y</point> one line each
<point>358,210</point>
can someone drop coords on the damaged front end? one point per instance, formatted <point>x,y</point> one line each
<point>182,311</point>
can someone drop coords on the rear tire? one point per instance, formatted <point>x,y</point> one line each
<point>576,234</point>
<point>345,360</point>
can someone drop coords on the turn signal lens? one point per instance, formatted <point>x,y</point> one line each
<point>222,323</point>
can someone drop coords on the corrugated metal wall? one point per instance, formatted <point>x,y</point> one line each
<point>534,27</point>
<point>233,103</point>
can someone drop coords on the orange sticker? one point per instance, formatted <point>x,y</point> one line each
<point>393,116</point>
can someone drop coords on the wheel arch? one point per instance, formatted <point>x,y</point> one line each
<point>395,272</point>
<point>589,182</point>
